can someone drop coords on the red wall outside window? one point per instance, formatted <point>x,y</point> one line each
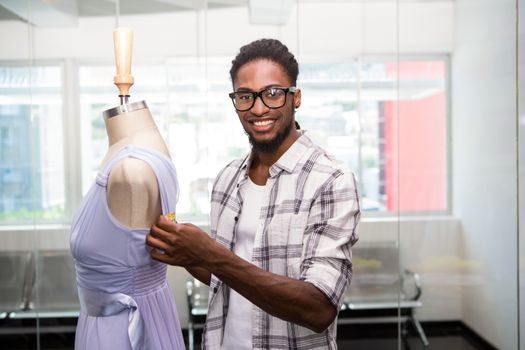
<point>415,143</point>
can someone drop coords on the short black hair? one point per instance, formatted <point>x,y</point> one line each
<point>269,49</point>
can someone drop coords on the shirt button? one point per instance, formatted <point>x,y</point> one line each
<point>215,289</point>
<point>236,218</point>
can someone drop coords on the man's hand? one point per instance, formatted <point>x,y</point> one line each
<point>183,244</point>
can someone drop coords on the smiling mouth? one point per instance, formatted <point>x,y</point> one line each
<point>263,122</point>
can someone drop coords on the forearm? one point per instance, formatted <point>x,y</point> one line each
<point>201,274</point>
<point>287,298</point>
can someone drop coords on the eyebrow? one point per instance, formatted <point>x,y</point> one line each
<point>263,88</point>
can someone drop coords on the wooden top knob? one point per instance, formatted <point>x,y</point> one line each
<point>123,41</point>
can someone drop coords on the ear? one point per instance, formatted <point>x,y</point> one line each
<point>297,98</point>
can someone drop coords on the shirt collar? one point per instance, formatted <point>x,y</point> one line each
<point>292,156</point>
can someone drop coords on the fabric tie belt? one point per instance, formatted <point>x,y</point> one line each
<point>100,304</point>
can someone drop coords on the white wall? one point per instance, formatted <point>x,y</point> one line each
<point>484,162</point>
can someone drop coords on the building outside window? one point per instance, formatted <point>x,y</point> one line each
<point>349,108</point>
<point>31,144</point>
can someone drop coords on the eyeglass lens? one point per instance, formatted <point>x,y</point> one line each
<point>271,97</point>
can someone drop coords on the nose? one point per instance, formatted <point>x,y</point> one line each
<point>259,108</point>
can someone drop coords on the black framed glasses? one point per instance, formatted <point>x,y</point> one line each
<point>272,97</point>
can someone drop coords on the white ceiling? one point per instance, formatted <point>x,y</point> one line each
<point>59,10</point>
<point>87,8</point>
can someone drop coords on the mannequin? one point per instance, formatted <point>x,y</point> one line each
<point>132,181</point>
<point>125,300</point>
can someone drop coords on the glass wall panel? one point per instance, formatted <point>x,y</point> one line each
<point>464,251</point>
<point>170,75</point>
<point>417,98</point>
<point>521,167</point>
<point>25,172</point>
<point>348,76</point>
<point>31,111</point>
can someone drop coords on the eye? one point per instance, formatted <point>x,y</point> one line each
<point>244,96</point>
<point>273,92</point>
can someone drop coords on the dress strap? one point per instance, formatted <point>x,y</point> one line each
<point>162,166</point>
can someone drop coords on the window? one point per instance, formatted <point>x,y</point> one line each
<point>196,120</point>
<point>31,144</point>
<point>394,141</point>
<point>397,148</point>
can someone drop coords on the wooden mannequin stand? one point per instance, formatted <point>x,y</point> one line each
<point>132,192</point>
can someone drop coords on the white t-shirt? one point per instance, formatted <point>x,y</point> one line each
<point>238,328</point>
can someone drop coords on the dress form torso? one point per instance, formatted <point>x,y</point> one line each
<point>132,192</point>
<point>126,302</point>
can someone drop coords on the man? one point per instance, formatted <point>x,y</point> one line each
<point>283,220</point>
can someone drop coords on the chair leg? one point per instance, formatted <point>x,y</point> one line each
<point>419,330</point>
<point>190,336</point>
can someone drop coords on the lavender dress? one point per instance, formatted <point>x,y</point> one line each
<point>125,300</point>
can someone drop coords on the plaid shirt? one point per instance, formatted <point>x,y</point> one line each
<point>308,223</point>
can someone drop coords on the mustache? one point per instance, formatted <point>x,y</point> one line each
<point>270,146</point>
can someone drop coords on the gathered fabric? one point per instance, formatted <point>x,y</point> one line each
<point>126,303</point>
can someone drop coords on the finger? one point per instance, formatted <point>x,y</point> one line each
<point>157,243</point>
<point>170,226</point>
<point>156,255</point>
<point>165,223</point>
<point>159,233</point>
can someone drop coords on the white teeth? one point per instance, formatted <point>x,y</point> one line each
<point>263,122</point>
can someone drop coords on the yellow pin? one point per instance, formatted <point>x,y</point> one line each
<point>172,217</point>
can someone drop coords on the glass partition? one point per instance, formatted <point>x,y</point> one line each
<point>521,167</point>
<point>24,192</point>
<point>466,254</point>
<point>422,100</point>
<point>32,141</point>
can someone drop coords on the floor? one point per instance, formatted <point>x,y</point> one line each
<point>441,336</point>
<point>436,343</point>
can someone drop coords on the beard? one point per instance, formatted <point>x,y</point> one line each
<point>270,146</point>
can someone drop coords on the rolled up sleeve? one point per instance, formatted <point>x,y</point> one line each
<point>331,231</point>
